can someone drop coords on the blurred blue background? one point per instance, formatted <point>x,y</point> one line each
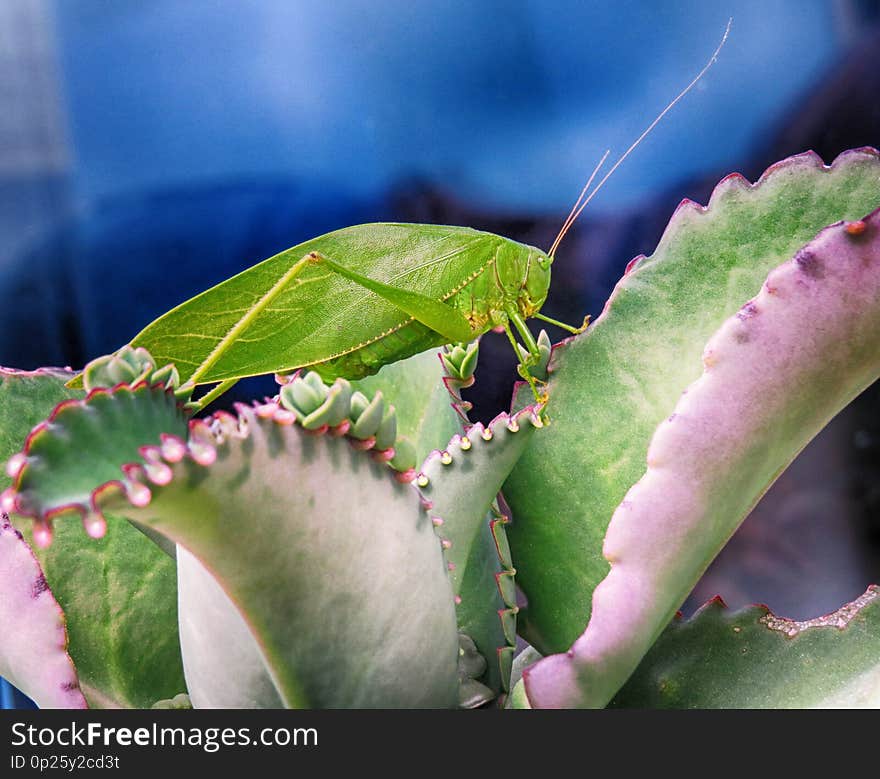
<point>151,148</point>
<point>141,136</point>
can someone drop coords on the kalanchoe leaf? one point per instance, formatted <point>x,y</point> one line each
<point>539,369</point>
<point>33,639</point>
<point>179,701</point>
<point>111,427</point>
<point>359,404</point>
<point>340,408</point>
<point>235,676</point>
<point>525,659</point>
<point>471,666</point>
<point>26,398</point>
<point>367,422</point>
<point>134,622</point>
<point>131,366</point>
<point>166,376</point>
<point>315,382</point>
<point>424,411</point>
<point>460,360</point>
<point>473,694</point>
<point>518,698</point>
<point>612,385</point>
<point>460,484</point>
<point>451,357</point>
<point>119,597</point>
<point>368,614</point>
<point>348,637</point>
<point>753,659</point>
<point>301,396</point>
<point>335,408</point>
<point>387,432</point>
<point>127,366</point>
<point>468,364</point>
<point>404,456</point>
<point>108,372</point>
<point>774,374</point>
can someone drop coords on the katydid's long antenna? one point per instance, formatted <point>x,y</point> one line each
<point>571,214</point>
<point>582,202</point>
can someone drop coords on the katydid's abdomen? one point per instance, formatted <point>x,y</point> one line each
<point>284,313</point>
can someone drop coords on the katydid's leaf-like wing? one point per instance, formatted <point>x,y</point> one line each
<point>118,594</point>
<point>612,386</point>
<point>753,659</point>
<point>774,374</point>
<point>266,319</point>
<point>33,639</point>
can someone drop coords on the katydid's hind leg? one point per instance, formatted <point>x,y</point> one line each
<point>435,314</point>
<point>562,325</point>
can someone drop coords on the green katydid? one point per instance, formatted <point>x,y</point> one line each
<point>349,302</point>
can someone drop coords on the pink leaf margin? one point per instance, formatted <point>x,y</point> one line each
<point>33,632</point>
<point>774,374</point>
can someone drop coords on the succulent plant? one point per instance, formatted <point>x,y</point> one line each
<point>359,543</point>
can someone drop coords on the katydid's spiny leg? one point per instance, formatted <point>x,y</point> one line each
<point>439,316</point>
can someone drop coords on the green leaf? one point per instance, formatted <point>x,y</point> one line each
<point>612,386</point>
<point>425,416</point>
<point>518,698</point>
<point>26,398</point>
<point>461,484</point>
<point>118,594</point>
<point>774,375</point>
<point>83,447</point>
<point>332,563</point>
<point>330,560</point>
<point>224,665</point>
<point>752,659</point>
<point>33,639</point>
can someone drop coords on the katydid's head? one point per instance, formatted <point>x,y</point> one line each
<point>537,281</point>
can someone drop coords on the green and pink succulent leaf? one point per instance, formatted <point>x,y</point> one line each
<point>89,446</point>
<point>328,557</point>
<point>773,376</point>
<point>416,388</point>
<point>331,562</point>
<point>223,662</point>
<point>612,386</point>
<point>753,659</point>
<point>26,398</point>
<point>460,484</point>
<point>33,637</point>
<point>118,594</point>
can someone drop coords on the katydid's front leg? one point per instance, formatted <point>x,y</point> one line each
<point>439,316</point>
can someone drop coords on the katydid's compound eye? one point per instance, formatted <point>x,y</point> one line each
<point>543,263</point>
